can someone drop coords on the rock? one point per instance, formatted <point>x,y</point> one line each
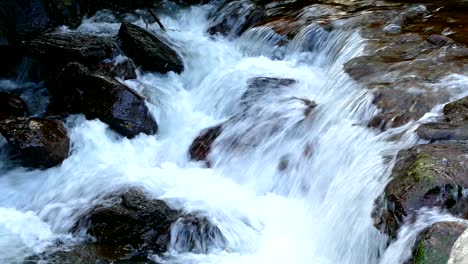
<point>435,243</point>
<point>460,250</point>
<point>457,111</point>
<point>235,18</point>
<point>55,48</point>
<point>131,218</point>
<point>432,175</point>
<point>201,146</point>
<point>262,86</point>
<point>37,142</point>
<point>11,105</point>
<point>77,90</point>
<point>438,40</point>
<point>148,50</point>
<point>443,131</point>
<point>118,67</point>
<point>388,120</point>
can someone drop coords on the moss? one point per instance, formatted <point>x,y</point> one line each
<point>421,170</point>
<point>420,256</point>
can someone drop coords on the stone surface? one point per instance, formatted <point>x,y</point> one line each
<point>70,47</point>
<point>431,175</point>
<point>11,105</point>
<point>201,145</point>
<point>434,245</point>
<point>148,50</point>
<point>36,142</point>
<point>459,253</point>
<point>77,90</point>
<point>132,219</point>
<point>457,111</point>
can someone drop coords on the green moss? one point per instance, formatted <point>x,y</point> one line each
<point>420,256</point>
<point>421,170</point>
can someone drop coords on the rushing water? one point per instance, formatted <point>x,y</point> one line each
<point>317,209</point>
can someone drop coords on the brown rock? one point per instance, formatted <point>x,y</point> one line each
<point>11,105</point>
<point>37,142</point>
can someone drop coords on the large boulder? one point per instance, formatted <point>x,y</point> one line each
<point>36,142</point>
<point>11,105</point>
<point>148,50</point>
<point>432,175</point>
<point>75,89</point>
<point>131,218</point>
<point>435,243</point>
<point>55,48</point>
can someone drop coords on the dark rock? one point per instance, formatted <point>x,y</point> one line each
<point>76,90</point>
<point>131,218</point>
<point>388,120</point>
<point>11,105</point>
<point>435,243</point>
<point>443,131</point>
<point>438,40</point>
<point>457,111</point>
<point>148,50</point>
<point>38,143</point>
<point>432,175</point>
<point>236,17</point>
<point>70,47</point>
<point>261,86</point>
<point>121,68</point>
<point>202,144</point>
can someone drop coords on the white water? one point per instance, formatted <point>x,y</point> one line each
<point>316,211</point>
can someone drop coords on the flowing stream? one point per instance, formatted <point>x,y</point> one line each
<point>284,187</point>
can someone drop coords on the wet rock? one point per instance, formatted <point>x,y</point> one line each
<point>235,18</point>
<point>132,219</point>
<point>402,104</point>
<point>36,142</point>
<point>460,250</point>
<point>263,86</point>
<point>432,175</point>
<point>443,131</point>
<point>438,40</point>
<point>119,67</point>
<point>457,111</point>
<point>77,90</point>
<point>70,47</point>
<point>11,105</point>
<point>385,121</point>
<point>148,50</point>
<point>201,146</point>
<point>435,243</point>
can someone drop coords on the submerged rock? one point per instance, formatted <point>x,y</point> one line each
<point>435,243</point>
<point>432,175</point>
<point>70,47</point>
<point>77,90</point>
<point>148,50</point>
<point>120,67</point>
<point>37,142</point>
<point>132,219</point>
<point>263,86</point>
<point>443,131</point>
<point>201,145</point>
<point>11,105</point>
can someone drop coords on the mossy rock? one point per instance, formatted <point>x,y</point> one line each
<point>431,175</point>
<point>457,111</point>
<point>435,243</point>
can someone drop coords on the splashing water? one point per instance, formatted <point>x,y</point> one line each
<point>316,209</point>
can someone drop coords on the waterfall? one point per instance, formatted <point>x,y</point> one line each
<point>285,185</point>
